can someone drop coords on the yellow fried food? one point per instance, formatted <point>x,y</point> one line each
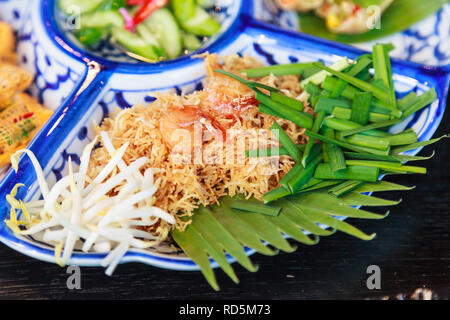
<point>21,116</point>
<point>7,41</point>
<point>16,132</point>
<point>21,104</point>
<point>12,80</point>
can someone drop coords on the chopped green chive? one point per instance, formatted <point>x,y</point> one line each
<point>407,101</point>
<point>286,142</point>
<point>366,141</point>
<point>275,194</point>
<point>343,144</point>
<point>328,104</point>
<point>350,91</point>
<point>315,151</point>
<point>271,152</point>
<point>251,84</point>
<point>383,70</point>
<point>319,77</point>
<point>388,166</point>
<point>288,101</point>
<point>338,89</point>
<point>267,110</point>
<point>304,174</point>
<point>417,145</point>
<point>362,64</point>
<point>316,127</point>
<point>315,184</point>
<point>424,100</point>
<point>376,125</point>
<point>277,70</point>
<point>360,173</point>
<point>365,86</point>
<point>334,154</point>
<point>298,117</point>
<point>361,108</point>
<point>345,125</point>
<point>312,89</point>
<point>346,114</point>
<point>403,138</point>
<point>389,158</point>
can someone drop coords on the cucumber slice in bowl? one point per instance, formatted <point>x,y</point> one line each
<point>89,36</point>
<point>191,42</point>
<point>135,44</point>
<point>201,24</point>
<point>163,25</point>
<point>148,36</point>
<point>81,6</point>
<point>102,19</point>
<point>183,9</point>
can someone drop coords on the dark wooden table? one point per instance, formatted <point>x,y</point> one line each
<point>412,249</point>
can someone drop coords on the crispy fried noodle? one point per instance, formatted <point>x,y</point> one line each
<point>225,117</point>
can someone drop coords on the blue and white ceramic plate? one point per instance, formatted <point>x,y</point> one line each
<point>83,88</point>
<point>426,42</point>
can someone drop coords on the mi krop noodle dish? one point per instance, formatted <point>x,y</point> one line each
<point>198,169</point>
<point>259,153</point>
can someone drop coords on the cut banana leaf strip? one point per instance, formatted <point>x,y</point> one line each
<point>354,213</point>
<point>219,230</point>
<point>218,255</point>
<point>240,231</point>
<point>320,217</point>
<point>296,214</point>
<point>267,230</point>
<point>220,238</point>
<point>416,145</point>
<point>331,205</point>
<point>381,186</point>
<point>355,199</point>
<point>288,227</point>
<point>195,247</point>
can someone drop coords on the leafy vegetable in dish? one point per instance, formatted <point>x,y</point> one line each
<point>392,20</point>
<point>342,16</point>
<point>148,30</point>
<point>259,153</point>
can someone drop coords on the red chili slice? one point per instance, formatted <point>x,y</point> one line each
<point>147,8</point>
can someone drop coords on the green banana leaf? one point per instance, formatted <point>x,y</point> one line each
<point>398,17</point>
<point>219,230</point>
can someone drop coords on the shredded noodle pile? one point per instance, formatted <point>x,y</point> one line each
<point>184,183</point>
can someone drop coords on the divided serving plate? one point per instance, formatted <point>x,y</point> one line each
<point>84,88</point>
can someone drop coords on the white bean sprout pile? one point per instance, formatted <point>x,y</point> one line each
<point>79,212</point>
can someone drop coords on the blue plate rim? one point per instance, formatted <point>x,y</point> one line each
<point>47,255</point>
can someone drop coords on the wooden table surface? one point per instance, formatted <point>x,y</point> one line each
<point>412,249</point>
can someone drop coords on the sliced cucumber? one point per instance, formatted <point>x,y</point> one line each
<point>191,42</point>
<point>144,31</point>
<point>102,19</point>
<point>134,43</point>
<point>81,6</point>
<point>201,24</point>
<point>164,27</point>
<point>183,9</point>
<point>89,36</point>
<point>206,3</point>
